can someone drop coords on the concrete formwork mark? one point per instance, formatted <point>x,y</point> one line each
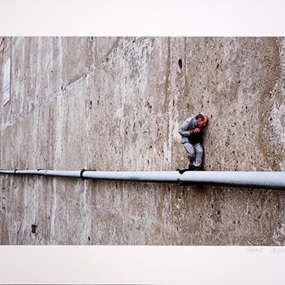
<point>272,99</point>
<point>278,110</point>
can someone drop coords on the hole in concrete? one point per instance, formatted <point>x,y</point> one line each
<point>180,63</point>
<point>3,203</point>
<point>88,238</point>
<point>34,229</point>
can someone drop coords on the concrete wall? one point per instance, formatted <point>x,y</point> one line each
<point>117,104</point>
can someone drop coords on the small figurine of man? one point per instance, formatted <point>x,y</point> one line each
<point>191,132</point>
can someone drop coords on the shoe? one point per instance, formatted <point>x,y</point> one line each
<point>181,171</point>
<point>198,168</point>
<point>191,167</point>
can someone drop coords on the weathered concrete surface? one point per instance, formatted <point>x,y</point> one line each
<point>116,104</point>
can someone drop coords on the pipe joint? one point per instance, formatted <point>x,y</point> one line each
<point>81,174</point>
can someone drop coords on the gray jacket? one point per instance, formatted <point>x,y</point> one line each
<point>188,125</point>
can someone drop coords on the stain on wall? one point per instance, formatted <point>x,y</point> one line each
<point>116,104</point>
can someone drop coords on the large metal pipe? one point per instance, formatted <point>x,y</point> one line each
<point>271,180</point>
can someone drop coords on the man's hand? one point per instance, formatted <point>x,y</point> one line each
<point>196,130</point>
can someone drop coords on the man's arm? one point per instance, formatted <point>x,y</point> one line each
<point>184,129</point>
